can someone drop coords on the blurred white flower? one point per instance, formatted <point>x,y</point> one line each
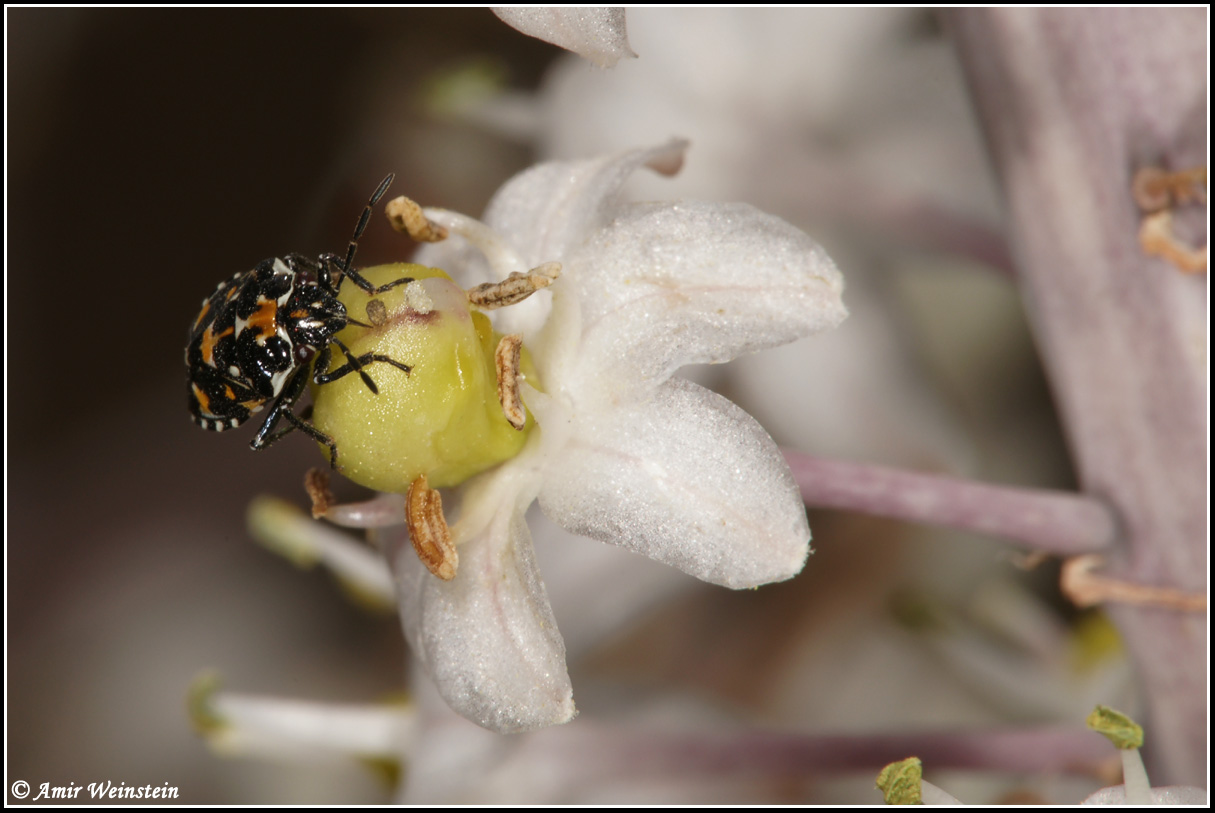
<point>844,122</point>
<point>624,453</point>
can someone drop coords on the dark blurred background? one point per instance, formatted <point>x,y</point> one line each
<point>150,155</point>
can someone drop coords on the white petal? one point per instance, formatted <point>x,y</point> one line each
<point>686,478</point>
<point>596,34</point>
<point>487,637</point>
<point>1168,795</point>
<point>463,262</point>
<point>672,284</point>
<point>547,211</point>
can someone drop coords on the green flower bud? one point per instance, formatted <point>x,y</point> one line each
<point>442,419</point>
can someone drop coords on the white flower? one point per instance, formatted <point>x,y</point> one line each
<point>624,452</point>
<point>596,34</point>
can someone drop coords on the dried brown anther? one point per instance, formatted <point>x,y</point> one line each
<point>1156,238</point>
<point>406,216</point>
<point>428,530</point>
<point>316,483</point>
<point>377,312</point>
<point>515,288</point>
<point>1158,193</point>
<point>1080,583</point>
<point>1154,189</point>
<point>506,360</point>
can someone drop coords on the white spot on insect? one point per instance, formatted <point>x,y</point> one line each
<point>234,370</point>
<point>280,267</point>
<point>278,380</point>
<point>235,423</point>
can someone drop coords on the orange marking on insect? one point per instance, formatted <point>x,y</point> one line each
<point>209,340</point>
<point>204,403</point>
<point>206,307</point>
<point>265,319</point>
<point>228,392</point>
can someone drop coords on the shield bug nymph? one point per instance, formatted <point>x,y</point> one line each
<point>253,341</point>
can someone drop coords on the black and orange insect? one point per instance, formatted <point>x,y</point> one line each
<point>253,341</point>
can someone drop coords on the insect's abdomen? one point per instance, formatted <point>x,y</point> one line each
<point>239,355</point>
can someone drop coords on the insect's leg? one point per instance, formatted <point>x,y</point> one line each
<point>361,281</point>
<point>362,224</point>
<point>282,409</point>
<point>335,269</point>
<point>331,269</point>
<point>354,364</point>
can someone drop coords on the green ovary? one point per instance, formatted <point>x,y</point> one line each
<point>443,419</point>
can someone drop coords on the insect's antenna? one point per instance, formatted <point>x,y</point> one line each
<point>364,219</point>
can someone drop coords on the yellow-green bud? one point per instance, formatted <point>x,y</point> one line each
<point>442,419</point>
<point>899,782</point>
<point>1116,726</point>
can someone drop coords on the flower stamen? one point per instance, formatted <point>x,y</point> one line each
<point>316,483</point>
<point>515,288</point>
<point>500,254</point>
<point>1156,238</point>
<point>506,361</point>
<point>1158,193</point>
<point>406,216</point>
<point>428,530</point>
<point>1079,582</point>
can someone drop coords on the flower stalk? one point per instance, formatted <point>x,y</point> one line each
<point>1121,333</point>
<point>1048,521</point>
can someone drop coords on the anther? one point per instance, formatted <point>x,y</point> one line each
<point>506,360</point>
<point>316,483</point>
<point>1158,193</point>
<point>406,216</point>
<point>377,313</point>
<point>428,530</point>
<point>1155,189</point>
<point>1156,238</point>
<point>515,288</point>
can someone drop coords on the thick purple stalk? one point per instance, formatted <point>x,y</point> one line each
<point>602,752</point>
<point>1049,521</point>
<point>1074,102</point>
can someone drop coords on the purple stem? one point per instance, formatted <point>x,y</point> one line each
<point>1073,102</point>
<point>604,752</point>
<point>1050,521</point>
